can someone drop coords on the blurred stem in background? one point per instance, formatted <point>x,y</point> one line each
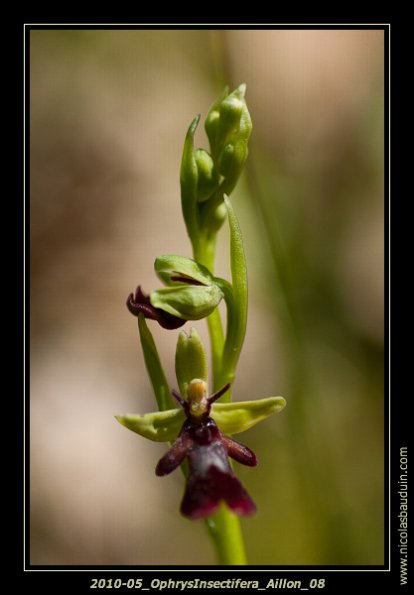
<point>313,458</point>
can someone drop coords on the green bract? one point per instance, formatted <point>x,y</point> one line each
<point>154,368</point>
<point>189,181</point>
<point>231,418</point>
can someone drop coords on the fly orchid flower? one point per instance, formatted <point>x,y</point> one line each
<point>210,477</point>
<point>199,430</point>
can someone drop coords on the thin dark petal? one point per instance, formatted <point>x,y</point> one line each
<point>219,393</point>
<point>178,398</point>
<point>141,303</point>
<point>239,452</point>
<point>175,456</point>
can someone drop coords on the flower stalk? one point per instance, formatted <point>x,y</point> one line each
<point>199,428</point>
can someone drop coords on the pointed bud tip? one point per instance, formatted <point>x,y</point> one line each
<point>193,126</point>
<point>241,89</point>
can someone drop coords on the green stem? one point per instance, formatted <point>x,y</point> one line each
<point>225,530</point>
<point>224,526</point>
<point>204,253</point>
<point>215,329</point>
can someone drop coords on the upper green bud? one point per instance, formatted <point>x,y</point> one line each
<point>231,110</point>
<point>212,124</point>
<point>206,176</point>
<point>228,126</point>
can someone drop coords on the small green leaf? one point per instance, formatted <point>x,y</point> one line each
<point>160,426</point>
<point>172,265</point>
<point>190,360</point>
<point>189,302</point>
<point>154,367</point>
<point>239,416</point>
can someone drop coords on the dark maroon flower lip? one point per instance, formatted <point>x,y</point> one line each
<point>140,302</point>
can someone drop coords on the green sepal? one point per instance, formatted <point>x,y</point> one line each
<point>190,360</point>
<point>231,418</point>
<point>189,302</point>
<point>160,426</point>
<point>239,416</point>
<point>171,265</point>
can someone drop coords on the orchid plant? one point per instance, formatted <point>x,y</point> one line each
<point>199,429</point>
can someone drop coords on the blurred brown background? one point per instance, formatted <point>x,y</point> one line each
<point>108,115</point>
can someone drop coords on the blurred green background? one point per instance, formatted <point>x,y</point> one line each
<point>108,114</point>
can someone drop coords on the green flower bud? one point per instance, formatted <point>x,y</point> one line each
<point>212,123</point>
<point>226,159</point>
<point>189,302</point>
<point>231,110</point>
<point>208,177</point>
<point>190,360</point>
<point>228,126</point>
